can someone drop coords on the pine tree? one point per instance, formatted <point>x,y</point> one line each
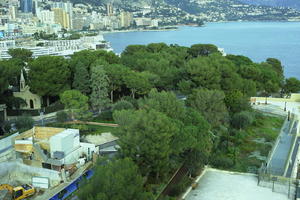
<point>99,84</point>
<point>81,79</point>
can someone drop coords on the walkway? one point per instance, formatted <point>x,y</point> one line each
<point>284,154</point>
<point>276,165</point>
<point>93,123</point>
<point>294,151</point>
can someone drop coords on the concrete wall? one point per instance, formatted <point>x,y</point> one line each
<point>16,172</point>
<point>7,148</point>
<point>293,98</point>
<point>27,96</point>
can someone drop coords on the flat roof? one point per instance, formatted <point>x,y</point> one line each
<point>223,185</point>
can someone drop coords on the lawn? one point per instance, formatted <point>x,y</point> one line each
<point>85,129</point>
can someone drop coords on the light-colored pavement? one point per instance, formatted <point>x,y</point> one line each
<point>93,123</point>
<point>222,185</point>
<point>276,165</point>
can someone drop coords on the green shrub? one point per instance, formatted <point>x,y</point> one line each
<point>54,107</point>
<point>122,105</point>
<point>24,123</point>
<point>242,120</point>
<point>179,188</point>
<point>105,116</point>
<point>7,126</point>
<point>222,161</point>
<point>62,116</point>
<point>133,101</point>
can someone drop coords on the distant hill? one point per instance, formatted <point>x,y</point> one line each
<point>214,10</point>
<point>117,2</point>
<point>276,3</point>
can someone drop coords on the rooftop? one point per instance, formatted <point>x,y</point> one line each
<point>223,185</point>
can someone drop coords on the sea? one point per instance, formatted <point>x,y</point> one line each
<point>256,40</point>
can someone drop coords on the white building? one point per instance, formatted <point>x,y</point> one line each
<point>58,47</point>
<point>46,16</point>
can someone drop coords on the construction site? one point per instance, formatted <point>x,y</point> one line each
<point>42,162</point>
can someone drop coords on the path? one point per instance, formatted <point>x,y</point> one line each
<point>276,165</point>
<point>93,123</point>
<point>284,154</point>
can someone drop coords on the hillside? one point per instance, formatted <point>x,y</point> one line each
<point>277,3</point>
<point>232,10</point>
<point>210,10</point>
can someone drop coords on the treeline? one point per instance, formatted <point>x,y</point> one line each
<point>175,105</point>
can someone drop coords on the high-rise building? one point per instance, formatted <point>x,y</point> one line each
<point>68,8</point>
<point>12,12</point>
<point>126,19</point>
<point>109,9</point>
<point>26,6</point>
<point>47,17</point>
<point>62,17</point>
<point>35,8</point>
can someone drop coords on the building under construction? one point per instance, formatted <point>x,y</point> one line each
<point>44,157</point>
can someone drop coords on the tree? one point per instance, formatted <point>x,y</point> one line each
<point>277,66</point>
<point>164,102</point>
<point>22,54</point>
<point>89,57</point>
<point>269,79</point>
<point>99,84</point>
<point>10,71</point>
<point>200,140</point>
<point>203,73</point>
<point>210,103</point>
<point>137,82</point>
<point>117,180</point>
<point>115,73</point>
<point>236,101</point>
<point>202,50</point>
<point>239,60</point>
<point>168,104</point>
<point>122,105</point>
<point>3,78</point>
<point>81,80</point>
<point>76,103</point>
<point>242,120</point>
<point>49,75</point>
<point>292,85</point>
<point>145,137</point>
<point>248,88</point>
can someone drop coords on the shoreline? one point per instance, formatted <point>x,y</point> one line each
<point>176,27</point>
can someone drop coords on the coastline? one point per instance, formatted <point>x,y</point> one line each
<point>175,28</point>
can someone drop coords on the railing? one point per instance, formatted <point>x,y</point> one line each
<point>278,184</point>
<point>271,153</point>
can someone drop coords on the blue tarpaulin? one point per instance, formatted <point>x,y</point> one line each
<point>62,195</point>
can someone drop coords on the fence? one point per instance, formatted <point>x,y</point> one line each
<point>279,184</point>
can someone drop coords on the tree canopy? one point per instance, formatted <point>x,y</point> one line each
<point>49,75</point>
<point>118,180</point>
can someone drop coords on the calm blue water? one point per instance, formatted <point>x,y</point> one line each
<point>257,40</point>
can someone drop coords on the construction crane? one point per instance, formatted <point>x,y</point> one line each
<point>20,192</point>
